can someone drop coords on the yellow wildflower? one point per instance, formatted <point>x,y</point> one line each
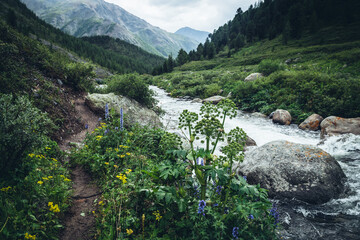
<point>40,182</point>
<point>116,166</point>
<point>98,138</point>
<point>31,155</point>
<point>129,231</point>
<point>122,177</point>
<point>101,203</point>
<point>103,124</point>
<point>128,171</point>
<point>93,212</point>
<point>86,146</point>
<point>29,236</point>
<point>128,153</point>
<point>122,156</point>
<point>62,176</point>
<point>50,204</point>
<point>45,178</point>
<point>55,208</point>
<point>5,189</point>
<point>107,163</point>
<point>47,148</point>
<point>157,215</point>
<point>54,159</point>
<point>67,180</point>
<point>50,177</point>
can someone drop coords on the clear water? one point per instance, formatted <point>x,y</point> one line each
<point>345,149</point>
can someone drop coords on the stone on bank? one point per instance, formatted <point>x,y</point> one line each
<point>134,111</point>
<point>290,170</point>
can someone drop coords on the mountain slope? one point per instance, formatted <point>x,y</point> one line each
<point>96,17</point>
<point>197,35</point>
<point>27,23</point>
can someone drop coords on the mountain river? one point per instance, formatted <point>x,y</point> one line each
<point>337,219</point>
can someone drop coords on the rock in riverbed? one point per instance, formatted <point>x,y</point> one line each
<point>290,170</point>
<point>312,123</point>
<point>281,117</point>
<point>336,125</point>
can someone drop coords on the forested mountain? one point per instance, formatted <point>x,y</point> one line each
<point>199,36</point>
<point>26,22</point>
<point>315,21</point>
<point>291,18</point>
<point>96,17</point>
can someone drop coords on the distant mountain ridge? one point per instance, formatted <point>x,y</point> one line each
<point>82,18</point>
<point>197,35</point>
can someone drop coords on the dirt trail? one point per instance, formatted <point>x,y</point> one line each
<point>87,118</point>
<point>79,222</point>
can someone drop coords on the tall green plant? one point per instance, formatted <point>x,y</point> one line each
<point>22,127</point>
<point>211,129</point>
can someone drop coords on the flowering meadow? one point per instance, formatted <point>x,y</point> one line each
<point>153,188</point>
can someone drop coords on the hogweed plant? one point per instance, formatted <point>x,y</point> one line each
<point>210,130</point>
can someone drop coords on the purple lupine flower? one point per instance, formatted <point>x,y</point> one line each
<point>235,232</point>
<point>106,111</point>
<point>86,126</point>
<point>202,205</point>
<point>274,213</point>
<point>106,131</point>
<point>116,128</point>
<point>245,178</point>
<point>200,161</point>
<point>197,192</point>
<point>121,119</point>
<point>215,205</point>
<point>218,189</point>
<point>251,217</point>
<point>100,119</point>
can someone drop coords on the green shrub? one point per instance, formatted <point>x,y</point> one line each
<point>78,75</point>
<point>269,66</point>
<point>132,86</point>
<point>22,127</point>
<point>212,89</point>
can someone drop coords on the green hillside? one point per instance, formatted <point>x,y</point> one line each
<point>147,60</point>
<point>26,22</point>
<point>314,71</point>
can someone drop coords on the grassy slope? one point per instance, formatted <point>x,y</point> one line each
<point>327,62</point>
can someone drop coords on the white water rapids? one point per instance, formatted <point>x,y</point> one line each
<point>345,149</point>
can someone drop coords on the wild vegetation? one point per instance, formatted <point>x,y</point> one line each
<point>155,189</point>
<point>302,76</point>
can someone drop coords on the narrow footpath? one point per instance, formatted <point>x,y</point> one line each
<point>79,222</point>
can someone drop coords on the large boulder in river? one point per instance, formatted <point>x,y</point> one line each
<point>253,77</point>
<point>336,125</point>
<point>135,112</point>
<point>312,123</point>
<point>290,170</point>
<point>214,99</point>
<point>281,117</point>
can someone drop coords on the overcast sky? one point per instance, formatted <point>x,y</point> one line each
<point>205,15</point>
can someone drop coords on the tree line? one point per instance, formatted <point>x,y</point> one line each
<point>267,20</point>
